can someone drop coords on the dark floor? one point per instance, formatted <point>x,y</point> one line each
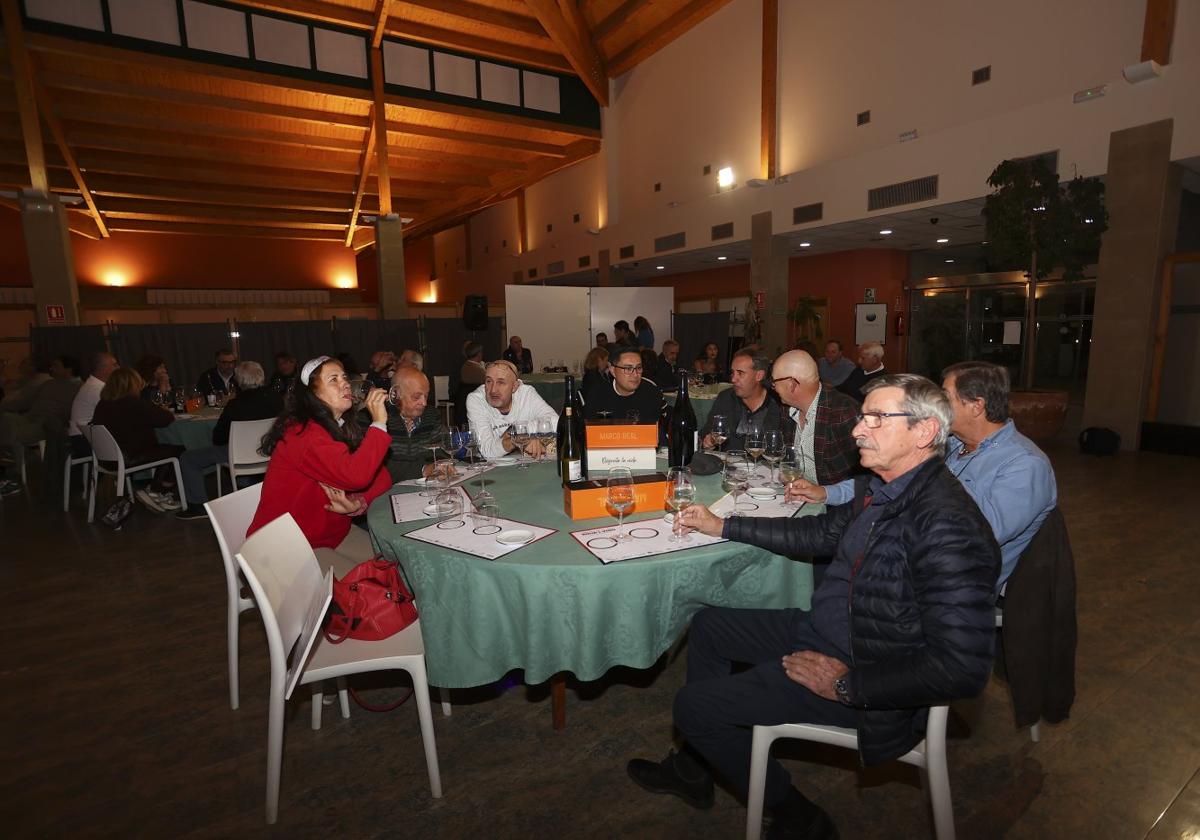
<point>116,716</point>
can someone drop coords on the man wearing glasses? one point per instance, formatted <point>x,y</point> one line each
<point>631,397</point>
<point>824,419</point>
<point>218,380</point>
<point>748,407</point>
<point>904,619</point>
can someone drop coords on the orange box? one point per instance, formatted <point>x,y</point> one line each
<point>589,499</point>
<point>609,434</point>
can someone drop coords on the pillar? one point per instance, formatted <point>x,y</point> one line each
<point>389,251</point>
<point>769,274</point>
<point>1143,191</point>
<point>51,264</point>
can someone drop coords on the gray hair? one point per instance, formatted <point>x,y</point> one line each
<point>982,381</point>
<point>249,375</point>
<point>923,400</point>
<point>872,348</point>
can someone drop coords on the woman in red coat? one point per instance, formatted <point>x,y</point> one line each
<point>324,469</point>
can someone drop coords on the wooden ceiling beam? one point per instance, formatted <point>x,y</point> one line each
<point>381,19</point>
<point>143,226</point>
<point>382,173</point>
<point>56,130</point>
<point>605,28</point>
<point>1158,30</point>
<point>769,99</point>
<point>364,169</point>
<point>663,34</point>
<point>23,80</point>
<point>480,13</point>
<point>568,30</point>
<point>124,208</point>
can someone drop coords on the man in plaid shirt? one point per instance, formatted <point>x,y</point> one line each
<point>824,419</point>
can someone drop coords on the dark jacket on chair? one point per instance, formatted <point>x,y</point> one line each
<point>1039,630</point>
<point>922,614</point>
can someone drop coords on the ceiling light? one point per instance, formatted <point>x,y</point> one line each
<point>943,241</point>
<point>725,177</point>
<point>805,244</point>
<point>885,232</point>
<point>722,259</point>
<point>660,267</point>
<point>949,261</point>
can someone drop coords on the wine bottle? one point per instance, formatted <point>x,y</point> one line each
<point>681,432</point>
<point>569,465</point>
<point>580,429</point>
<point>569,388</point>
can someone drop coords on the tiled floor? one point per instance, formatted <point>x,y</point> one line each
<point>116,714</point>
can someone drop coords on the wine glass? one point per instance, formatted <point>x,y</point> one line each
<point>448,504</point>
<point>519,433</point>
<point>754,448</point>
<point>546,432</point>
<point>681,492</point>
<point>735,478</point>
<point>620,497</point>
<point>719,429</point>
<point>790,469</point>
<point>450,442</point>
<point>773,450</point>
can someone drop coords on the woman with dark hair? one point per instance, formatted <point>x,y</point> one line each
<point>132,421</point>
<point>325,468</point>
<point>595,368</point>
<point>706,363</point>
<point>645,335</point>
<point>153,370</point>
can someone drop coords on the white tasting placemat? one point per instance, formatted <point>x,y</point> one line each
<point>469,536</point>
<point>750,506</point>
<point>465,471</point>
<point>647,538</point>
<point>410,507</point>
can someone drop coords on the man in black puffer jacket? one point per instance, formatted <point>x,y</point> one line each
<point>902,621</point>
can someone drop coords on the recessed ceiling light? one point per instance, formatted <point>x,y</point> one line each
<point>805,244</point>
<point>949,261</point>
<point>660,267</point>
<point>943,241</point>
<point>885,232</point>
<point>722,258</point>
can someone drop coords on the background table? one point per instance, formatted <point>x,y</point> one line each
<point>552,387</point>
<point>702,402</point>
<point>191,432</point>
<point>552,607</point>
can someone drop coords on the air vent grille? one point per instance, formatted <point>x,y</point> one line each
<point>532,273</point>
<point>626,252</point>
<point>864,117</point>
<point>585,261</point>
<point>983,74</point>
<point>670,242</point>
<point>556,267</point>
<point>722,231</point>
<point>906,192</point>
<point>808,213</point>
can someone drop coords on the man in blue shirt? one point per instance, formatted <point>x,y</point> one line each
<point>834,367</point>
<point>1006,474</point>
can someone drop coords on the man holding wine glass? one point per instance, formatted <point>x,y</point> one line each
<point>413,423</point>
<point>747,408</point>
<point>501,401</point>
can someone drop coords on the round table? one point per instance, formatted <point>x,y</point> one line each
<point>702,402</point>
<point>191,431</point>
<point>552,607</point>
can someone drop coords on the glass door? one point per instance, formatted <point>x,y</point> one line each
<point>996,330</point>
<point>938,334</point>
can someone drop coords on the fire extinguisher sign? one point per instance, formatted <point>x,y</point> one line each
<point>760,301</point>
<point>56,314</point>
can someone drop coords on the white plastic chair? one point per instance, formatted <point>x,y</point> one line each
<point>929,756</point>
<point>68,465</point>
<point>1035,731</point>
<point>41,448</point>
<point>105,450</point>
<point>245,436</point>
<point>231,517</point>
<point>284,576</point>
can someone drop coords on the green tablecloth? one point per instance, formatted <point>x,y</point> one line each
<point>552,387</point>
<point>190,432</point>
<point>552,607</point>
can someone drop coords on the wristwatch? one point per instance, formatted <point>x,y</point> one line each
<point>843,693</point>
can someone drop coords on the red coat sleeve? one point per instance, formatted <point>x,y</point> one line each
<point>331,462</point>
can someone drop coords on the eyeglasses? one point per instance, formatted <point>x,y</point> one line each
<point>630,368</point>
<point>776,382</point>
<point>874,419</point>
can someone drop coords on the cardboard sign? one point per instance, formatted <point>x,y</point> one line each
<point>603,434</point>
<point>589,499</point>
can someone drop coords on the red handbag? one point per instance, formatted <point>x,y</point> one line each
<point>370,603</point>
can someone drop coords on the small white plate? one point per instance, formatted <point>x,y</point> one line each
<point>517,536</point>
<point>762,492</point>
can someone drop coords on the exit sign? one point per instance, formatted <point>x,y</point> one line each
<point>56,314</point>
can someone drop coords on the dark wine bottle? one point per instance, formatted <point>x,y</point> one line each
<point>681,431</point>
<point>562,419</point>
<point>576,400</point>
<point>569,465</point>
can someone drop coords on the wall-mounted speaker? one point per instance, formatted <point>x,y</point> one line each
<point>475,312</point>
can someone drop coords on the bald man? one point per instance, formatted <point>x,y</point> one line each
<point>824,418</point>
<point>414,423</point>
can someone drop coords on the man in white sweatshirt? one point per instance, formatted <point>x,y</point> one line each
<point>499,402</point>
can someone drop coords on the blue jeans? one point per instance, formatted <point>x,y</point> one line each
<point>193,463</point>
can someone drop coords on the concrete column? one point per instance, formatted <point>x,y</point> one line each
<point>389,251</point>
<point>769,274</point>
<point>1142,195</point>
<point>606,276</point>
<point>51,264</point>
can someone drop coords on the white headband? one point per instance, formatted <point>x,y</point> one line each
<point>310,366</point>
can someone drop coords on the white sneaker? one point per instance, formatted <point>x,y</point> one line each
<point>147,499</point>
<point>167,501</point>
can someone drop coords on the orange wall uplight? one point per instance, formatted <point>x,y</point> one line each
<point>344,281</point>
<point>115,277</point>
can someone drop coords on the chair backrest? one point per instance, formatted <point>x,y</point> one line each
<point>245,436</point>
<point>285,578</point>
<point>441,388</point>
<point>231,516</point>
<point>105,445</point>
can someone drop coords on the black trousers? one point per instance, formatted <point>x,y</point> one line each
<point>716,710</point>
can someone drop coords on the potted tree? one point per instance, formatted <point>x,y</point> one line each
<point>1036,224</point>
<point>805,316</point>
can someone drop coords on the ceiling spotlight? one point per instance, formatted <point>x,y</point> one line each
<point>805,244</point>
<point>943,241</point>
<point>722,259</point>
<point>885,232</point>
<point>660,267</point>
<point>949,261</point>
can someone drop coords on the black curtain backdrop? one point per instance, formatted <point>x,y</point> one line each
<point>188,348</point>
<point>694,330</point>
<point>261,340</point>
<point>444,340</point>
<point>80,342</point>
<point>361,337</point>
